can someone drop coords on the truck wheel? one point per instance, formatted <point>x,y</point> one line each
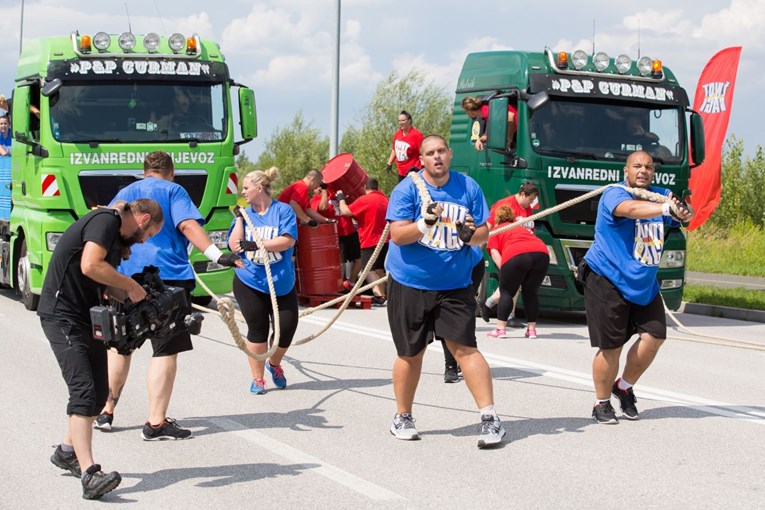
<point>201,300</point>
<point>29,299</point>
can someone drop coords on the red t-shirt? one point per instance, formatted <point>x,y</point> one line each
<point>485,111</point>
<point>344,223</point>
<point>297,191</point>
<point>369,211</point>
<point>407,149</point>
<point>519,211</point>
<point>514,242</point>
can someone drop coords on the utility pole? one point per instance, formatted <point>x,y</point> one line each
<point>335,100</point>
<point>21,27</point>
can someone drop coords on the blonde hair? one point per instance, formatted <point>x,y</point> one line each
<point>504,214</point>
<point>263,178</point>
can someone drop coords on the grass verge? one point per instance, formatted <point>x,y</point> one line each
<point>738,250</point>
<point>736,298</point>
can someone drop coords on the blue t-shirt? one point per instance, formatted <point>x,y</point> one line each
<point>6,141</point>
<point>278,220</point>
<point>439,260</point>
<point>168,250</point>
<point>628,251</point>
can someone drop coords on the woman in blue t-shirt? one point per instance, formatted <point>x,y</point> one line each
<point>276,225</point>
<point>5,136</point>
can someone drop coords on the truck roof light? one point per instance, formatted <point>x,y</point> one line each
<point>623,63</point>
<point>601,61</point>
<point>579,59</point>
<point>656,69</point>
<point>191,45</point>
<point>151,42</point>
<point>562,60</point>
<point>127,41</point>
<point>645,64</point>
<point>101,41</point>
<point>177,42</point>
<point>85,44</point>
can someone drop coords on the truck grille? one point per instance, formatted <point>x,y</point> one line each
<point>583,213</point>
<point>100,186</point>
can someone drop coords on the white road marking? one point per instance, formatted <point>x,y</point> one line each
<point>585,379</point>
<point>292,454</point>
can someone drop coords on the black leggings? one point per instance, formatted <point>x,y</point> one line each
<point>476,277</point>
<point>256,308</point>
<point>525,271</point>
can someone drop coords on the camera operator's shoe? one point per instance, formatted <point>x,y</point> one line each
<point>258,387</point>
<point>168,429</point>
<point>96,483</point>
<point>65,460</point>
<point>451,374</point>
<point>277,374</point>
<point>104,421</point>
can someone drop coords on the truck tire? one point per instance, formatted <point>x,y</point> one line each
<point>29,299</point>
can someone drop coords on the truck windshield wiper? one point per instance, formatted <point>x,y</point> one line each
<point>96,142</point>
<point>558,151</point>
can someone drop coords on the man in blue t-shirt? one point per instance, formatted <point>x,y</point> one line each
<point>620,289</point>
<point>168,251</point>
<point>429,264</point>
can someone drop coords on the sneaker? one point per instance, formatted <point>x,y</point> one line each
<point>531,333</point>
<point>378,301</point>
<point>451,375</point>
<point>627,401</point>
<point>96,483</point>
<point>65,460</point>
<point>347,285</point>
<point>277,374</point>
<point>604,413</point>
<point>104,421</point>
<point>512,322</point>
<point>490,431</point>
<point>497,333</point>
<point>258,386</point>
<point>484,311</point>
<point>168,429</point>
<point>403,427</point>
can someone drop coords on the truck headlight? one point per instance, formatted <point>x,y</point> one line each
<point>51,239</point>
<point>671,284</point>
<point>219,237</point>
<point>672,258</point>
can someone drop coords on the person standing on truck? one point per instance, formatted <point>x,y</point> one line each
<point>475,108</point>
<point>5,136</point>
<point>621,293</point>
<point>81,270</point>
<point>406,146</point>
<point>429,289</point>
<point>168,251</point>
<point>297,195</point>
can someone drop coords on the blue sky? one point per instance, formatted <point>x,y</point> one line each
<point>282,49</point>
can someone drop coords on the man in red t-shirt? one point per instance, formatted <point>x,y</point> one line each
<point>406,146</point>
<point>369,211</point>
<point>297,196</point>
<point>350,250</point>
<point>520,203</point>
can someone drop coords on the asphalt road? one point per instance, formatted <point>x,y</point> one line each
<point>725,280</point>
<point>324,441</point>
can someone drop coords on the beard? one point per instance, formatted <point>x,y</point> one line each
<point>135,237</point>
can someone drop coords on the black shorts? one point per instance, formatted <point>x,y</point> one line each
<point>413,314</point>
<point>180,339</point>
<point>257,311</point>
<point>612,320</point>
<point>366,254</point>
<point>83,364</point>
<point>350,249</point>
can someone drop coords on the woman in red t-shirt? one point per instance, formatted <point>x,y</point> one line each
<point>523,259</point>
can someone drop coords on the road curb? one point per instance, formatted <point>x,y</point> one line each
<point>725,312</point>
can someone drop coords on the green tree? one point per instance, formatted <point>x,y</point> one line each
<point>743,179</point>
<point>294,150</point>
<point>370,141</point>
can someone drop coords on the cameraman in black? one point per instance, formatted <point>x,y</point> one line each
<point>81,270</point>
<point>169,252</point>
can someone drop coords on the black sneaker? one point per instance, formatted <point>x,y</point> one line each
<point>96,483</point>
<point>627,401</point>
<point>168,429</point>
<point>604,413</point>
<point>512,322</point>
<point>378,301</point>
<point>451,375</point>
<point>65,460</point>
<point>484,311</point>
<point>104,421</point>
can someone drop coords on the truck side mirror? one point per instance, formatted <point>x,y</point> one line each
<point>537,100</point>
<point>698,144</point>
<point>496,124</point>
<point>247,115</point>
<point>51,87</point>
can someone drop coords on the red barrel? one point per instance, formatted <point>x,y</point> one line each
<point>343,173</point>
<point>318,260</point>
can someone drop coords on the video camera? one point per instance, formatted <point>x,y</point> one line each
<point>127,326</point>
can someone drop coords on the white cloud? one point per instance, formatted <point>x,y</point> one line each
<point>743,23</point>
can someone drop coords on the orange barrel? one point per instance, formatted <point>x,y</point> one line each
<point>318,260</point>
<point>343,173</point>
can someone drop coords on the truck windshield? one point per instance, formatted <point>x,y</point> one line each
<point>130,112</point>
<point>607,131</point>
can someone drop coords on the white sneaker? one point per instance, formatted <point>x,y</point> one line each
<point>490,431</point>
<point>403,427</point>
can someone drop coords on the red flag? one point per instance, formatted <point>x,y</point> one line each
<point>714,98</point>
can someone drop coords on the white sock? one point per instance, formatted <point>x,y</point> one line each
<point>488,410</point>
<point>623,385</point>
<point>490,302</point>
<point>598,401</point>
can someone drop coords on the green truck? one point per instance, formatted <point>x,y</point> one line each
<point>85,112</point>
<point>578,117</point>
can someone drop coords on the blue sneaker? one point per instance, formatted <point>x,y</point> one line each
<point>277,373</point>
<point>258,387</point>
